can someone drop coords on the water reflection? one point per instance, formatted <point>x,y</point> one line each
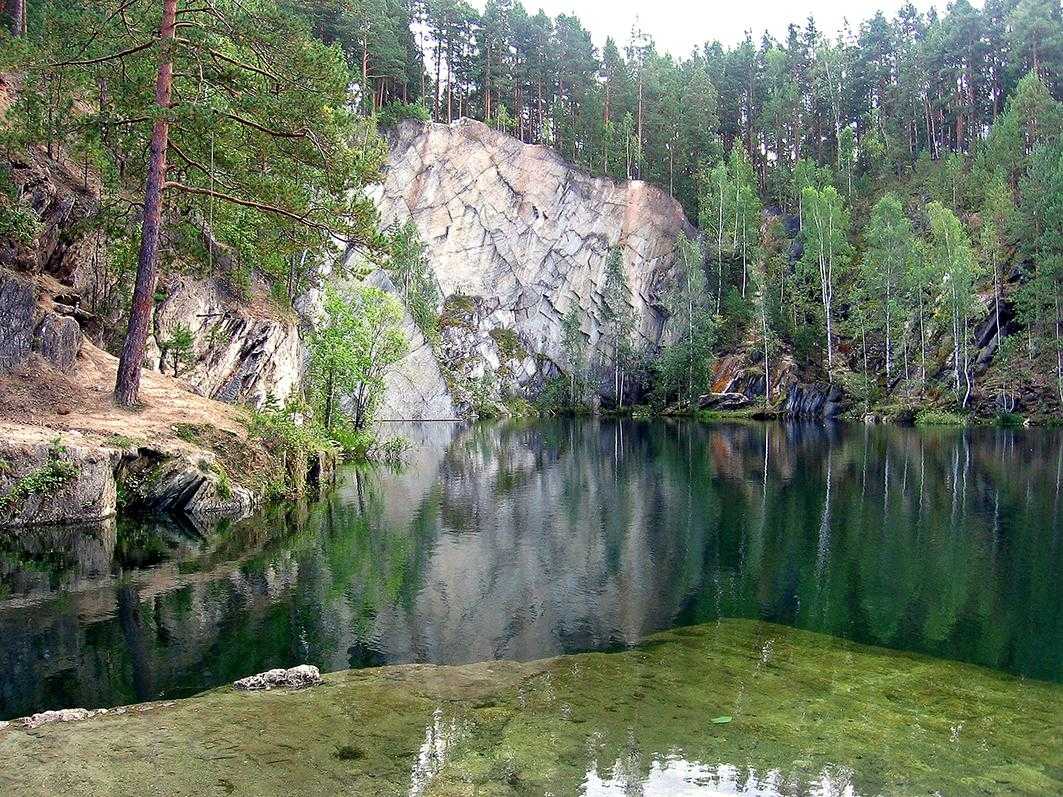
<point>674,776</point>
<point>527,541</point>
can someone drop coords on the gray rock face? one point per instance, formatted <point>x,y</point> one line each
<point>58,339</point>
<point>814,401</point>
<point>517,226</point>
<point>18,306</point>
<point>415,389</point>
<point>240,356</point>
<point>27,328</point>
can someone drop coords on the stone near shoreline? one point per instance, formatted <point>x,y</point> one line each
<point>293,678</point>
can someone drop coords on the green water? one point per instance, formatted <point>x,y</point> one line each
<point>727,708</point>
<point>519,542</point>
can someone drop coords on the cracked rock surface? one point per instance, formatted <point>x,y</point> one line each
<point>517,226</point>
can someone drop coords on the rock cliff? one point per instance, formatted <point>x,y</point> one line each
<point>244,352</point>
<point>517,236</point>
<point>415,389</point>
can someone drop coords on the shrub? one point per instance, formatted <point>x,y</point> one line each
<point>939,418</point>
<point>394,113</point>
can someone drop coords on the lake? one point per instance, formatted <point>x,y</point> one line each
<point>523,541</point>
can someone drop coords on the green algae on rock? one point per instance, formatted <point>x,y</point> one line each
<point>809,712</point>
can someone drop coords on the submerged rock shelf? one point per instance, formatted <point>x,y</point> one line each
<point>722,706</point>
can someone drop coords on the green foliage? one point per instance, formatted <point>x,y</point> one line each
<point>887,278</point>
<point>351,350</point>
<point>953,262</point>
<point>408,265</point>
<point>574,346</point>
<point>394,113</point>
<point>18,222</point>
<point>684,367</point>
<point>826,254</point>
<point>179,348</point>
<point>619,321</point>
<point>266,161</point>
<point>931,417</point>
<point>555,397</point>
<point>290,428</point>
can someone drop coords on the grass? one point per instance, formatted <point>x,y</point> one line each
<point>120,441</point>
<point>930,417</point>
<point>745,414</point>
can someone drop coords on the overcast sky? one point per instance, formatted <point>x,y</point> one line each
<point>680,25</point>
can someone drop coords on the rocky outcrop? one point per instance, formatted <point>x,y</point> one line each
<point>525,235</point>
<point>245,349</point>
<point>63,480</point>
<point>814,401</point>
<point>243,353</point>
<point>28,327</point>
<point>192,485</point>
<point>49,478</point>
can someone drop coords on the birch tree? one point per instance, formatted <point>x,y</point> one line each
<point>955,265</point>
<point>826,253</point>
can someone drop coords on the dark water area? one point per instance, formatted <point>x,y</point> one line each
<point>527,541</point>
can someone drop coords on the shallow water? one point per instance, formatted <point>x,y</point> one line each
<point>525,541</point>
<point>727,707</point>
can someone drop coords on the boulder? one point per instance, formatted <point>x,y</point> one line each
<point>58,340</point>
<point>62,715</point>
<point>293,678</point>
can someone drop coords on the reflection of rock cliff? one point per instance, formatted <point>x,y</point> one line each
<point>520,541</point>
<point>516,227</point>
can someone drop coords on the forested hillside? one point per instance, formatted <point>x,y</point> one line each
<point>879,208</point>
<point>919,156</point>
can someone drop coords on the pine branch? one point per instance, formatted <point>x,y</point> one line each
<point>250,203</point>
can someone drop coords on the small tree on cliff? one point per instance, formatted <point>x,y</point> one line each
<point>956,268</point>
<point>825,231</point>
<point>359,339</point>
<point>243,118</point>
<point>619,320</point>
<point>685,362</point>
<point>574,345</point>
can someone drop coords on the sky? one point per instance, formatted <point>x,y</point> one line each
<point>680,25</point>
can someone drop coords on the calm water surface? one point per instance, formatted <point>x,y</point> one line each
<point>525,541</point>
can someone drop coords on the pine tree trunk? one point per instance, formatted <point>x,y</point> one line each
<point>18,17</point>
<point>127,384</point>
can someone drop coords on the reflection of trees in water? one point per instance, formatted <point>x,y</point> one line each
<point>527,540</point>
